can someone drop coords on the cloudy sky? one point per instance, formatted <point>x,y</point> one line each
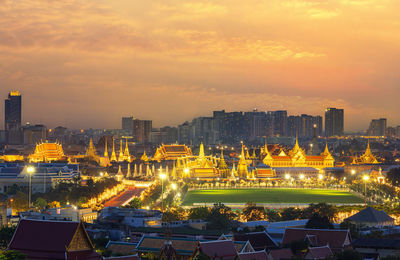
<point>87,63</point>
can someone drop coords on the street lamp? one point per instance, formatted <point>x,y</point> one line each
<point>30,170</point>
<point>162,176</point>
<point>366,179</point>
<point>353,172</point>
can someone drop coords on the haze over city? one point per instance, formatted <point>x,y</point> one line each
<point>87,64</point>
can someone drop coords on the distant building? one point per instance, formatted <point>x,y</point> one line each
<point>45,176</point>
<point>13,111</point>
<point>334,122</point>
<point>377,127</point>
<point>139,129</point>
<point>280,122</point>
<point>34,134</point>
<point>366,158</point>
<point>68,213</point>
<point>131,217</point>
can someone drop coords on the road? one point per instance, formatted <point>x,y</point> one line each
<point>124,197</point>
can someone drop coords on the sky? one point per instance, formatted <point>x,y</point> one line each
<point>85,64</point>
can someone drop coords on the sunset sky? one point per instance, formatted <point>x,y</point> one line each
<point>87,63</point>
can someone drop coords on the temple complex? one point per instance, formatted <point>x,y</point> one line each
<point>297,157</point>
<point>171,152</point>
<point>47,152</point>
<point>366,158</point>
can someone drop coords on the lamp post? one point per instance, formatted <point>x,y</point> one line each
<point>31,170</point>
<point>162,176</point>
<point>174,187</point>
<point>366,179</point>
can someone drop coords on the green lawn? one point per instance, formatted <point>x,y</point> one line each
<point>270,195</point>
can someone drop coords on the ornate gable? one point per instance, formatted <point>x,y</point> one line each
<point>80,241</point>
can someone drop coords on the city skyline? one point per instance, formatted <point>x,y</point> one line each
<point>87,65</point>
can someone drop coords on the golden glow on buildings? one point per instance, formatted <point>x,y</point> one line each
<point>171,152</point>
<point>47,152</point>
<point>366,158</point>
<point>15,94</point>
<point>297,157</point>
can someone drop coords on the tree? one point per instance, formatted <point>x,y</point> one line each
<point>12,255</point>
<point>298,246</point>
<point>272,215</point>
<point>135,203</point>
<point>393,176</point>
<point>221,217</point>
<point>321,209</point>
<point>291,213</point>
<point>253,213</point>
<point>347,224</point>
<point>170,216</point>
<point>6,234</point>
<point>199,213</point>
<point>348,255</point>
<point>40,203</point>
<point>318,222</point>
<point>20,202</point>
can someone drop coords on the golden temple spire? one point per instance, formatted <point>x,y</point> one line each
<point>296,145</point>
<point>121,154</point>
<point>144,156</point>
<point>128,173</point>
<point>105,149</point>
<point>113,155</point>
<point>91,150</point>
<point>201,152</point>
<point>126,152</point>
<point>247,153</point>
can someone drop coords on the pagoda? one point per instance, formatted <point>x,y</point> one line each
<point>47,152</point>
<point>222,166</point>
<point>113,155</point>
<point>366,158</point>
<point>242,170</point>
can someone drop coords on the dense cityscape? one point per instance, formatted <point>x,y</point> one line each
<point>199,130</point>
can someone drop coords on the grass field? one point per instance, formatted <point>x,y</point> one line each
<point>270,195</point>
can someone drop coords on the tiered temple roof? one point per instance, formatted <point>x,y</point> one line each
<point>366,158</point>
<point>297,157</point>
<point>47,152</point>
<point>172,152</point>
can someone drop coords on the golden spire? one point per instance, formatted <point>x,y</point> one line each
<point>113,155</point>
<point>126,152</point>
<point>105,149</point>
<point>91,150</point>
<point>247,153</point>
<point>121,154</point>
<point>128,173</point>
<point>144,156</point>
<point>326,152</point>
<point>296,145</point>
<point>201,152</point>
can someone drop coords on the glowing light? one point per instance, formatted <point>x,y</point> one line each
<point>287,176</point>
<point>353,172</point>
<point>174,186</point>
<point>186,170</point>
<point>162,176</point>
<point>31,169</point>
<point>366,178</point>
<point>320,176</point>
<point>301,176</point>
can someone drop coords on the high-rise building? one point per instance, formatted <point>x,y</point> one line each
<point>127,124</point>
<point>280,122</point>
<point>139,129</point>
<point>334,122</point>
<point>377,127</point>
<point>13,111</point>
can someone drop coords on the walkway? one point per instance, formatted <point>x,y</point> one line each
<point>124,197</point>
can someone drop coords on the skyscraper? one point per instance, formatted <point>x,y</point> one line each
<point>377,127</point>
<point>12,111</point>
<point>334,122</point>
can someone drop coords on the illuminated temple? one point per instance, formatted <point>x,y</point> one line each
<point>171,152</point>
<point>366,158</point>
<point>47,152</point>
<point>297,157</point>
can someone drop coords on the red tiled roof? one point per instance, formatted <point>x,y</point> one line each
<point>219,249</point>
<point>322,252</point>
<point>280,254</point>
<point>336,239</point>
<point>258,255</point>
